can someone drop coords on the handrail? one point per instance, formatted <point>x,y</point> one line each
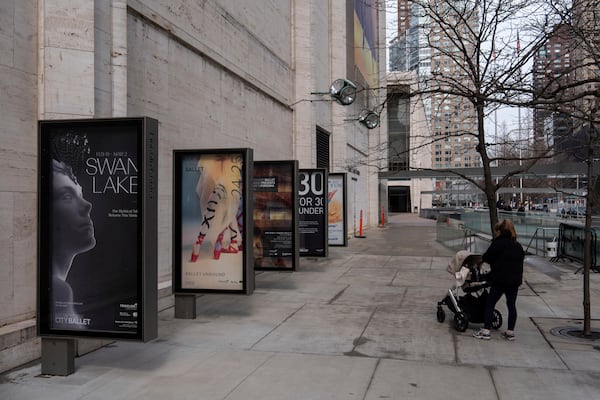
<point>536,237</point>
<point>469,238</point>
<point>468,234</point>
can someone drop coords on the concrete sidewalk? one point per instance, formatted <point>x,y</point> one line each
<point>359,324</point>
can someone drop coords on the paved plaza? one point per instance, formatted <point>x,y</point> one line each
<point>359,324</point>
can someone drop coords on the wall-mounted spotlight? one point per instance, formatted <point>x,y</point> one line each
<point>369,118</point>
<point>343,91</point>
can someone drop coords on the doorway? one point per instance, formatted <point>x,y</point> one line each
<point>399,198</point>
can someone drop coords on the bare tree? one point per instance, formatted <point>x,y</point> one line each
<point>579,98</point>
<point>478,63</point>
<point>475,64</point>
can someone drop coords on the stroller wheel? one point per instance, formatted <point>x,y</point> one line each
<point>461,322</point>
<point>441,315</point>
<point>497,320</point>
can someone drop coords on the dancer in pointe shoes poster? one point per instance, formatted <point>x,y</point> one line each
<point>211,220</point>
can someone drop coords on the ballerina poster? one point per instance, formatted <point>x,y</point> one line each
<point>97,199</point>
<point>212,219</point>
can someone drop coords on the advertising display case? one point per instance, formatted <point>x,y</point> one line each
<point>97,236</point>
<point>312,210</point>
<point>212,221</point>
<point>275,238</point>
<point>337,223</point>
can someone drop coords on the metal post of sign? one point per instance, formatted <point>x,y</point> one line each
<point>185,306</point>
<point>58,356</point>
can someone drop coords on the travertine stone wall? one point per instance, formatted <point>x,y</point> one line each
<point>212,82</point>
<point>66,59</point>
<point>18,180</point>
<point>214,73</point>
<point>110,58</point>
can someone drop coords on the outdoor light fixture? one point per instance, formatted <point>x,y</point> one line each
<point>369,118</point>
<point>343,91</point>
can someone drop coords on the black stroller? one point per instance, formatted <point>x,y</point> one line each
<point>470,307</point>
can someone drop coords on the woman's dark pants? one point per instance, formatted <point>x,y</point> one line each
<point>496,291</point>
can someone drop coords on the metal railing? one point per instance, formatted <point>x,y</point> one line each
<point>469,229</point>
<point>544,238</point>
<point>553,238</point>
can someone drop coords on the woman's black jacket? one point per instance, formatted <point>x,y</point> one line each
<point>505,257</point>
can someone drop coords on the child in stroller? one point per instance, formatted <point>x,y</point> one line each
<point>470,307</point>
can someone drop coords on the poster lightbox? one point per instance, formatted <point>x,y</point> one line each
<point>312,211</point>
<point>97,235</point>
<point>212,221</point>
<point>275,215</point>
<point>337,232</point>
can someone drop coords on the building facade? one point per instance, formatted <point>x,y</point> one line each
<point>551,67</point>
<point>453,118</point>
<point>432,54</point>
<point>215,74</point>
<point>408,145</point>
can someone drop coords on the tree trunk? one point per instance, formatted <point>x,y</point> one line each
<point>587,241</point>
<point>489,185</point>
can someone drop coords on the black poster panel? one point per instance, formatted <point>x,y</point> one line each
<point>337,223</point>
<point>275,215</point>
<point>97,237</point>
<point>312,209</point>
<point>212,221</point>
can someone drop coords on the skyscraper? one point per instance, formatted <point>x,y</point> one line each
<point>424,46</point>
<point>552,65</point>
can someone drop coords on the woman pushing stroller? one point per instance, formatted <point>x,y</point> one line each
<point>505,257</point>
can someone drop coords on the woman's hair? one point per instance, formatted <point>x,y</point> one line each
<point>506,228</point>
<point>71,149</point>
<point>62,168</point>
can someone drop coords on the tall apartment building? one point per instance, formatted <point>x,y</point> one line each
<point>551,67</point>
<point>567,67</point>
<point>586,21</point>
<point>427,51</point>
<point>409,50</point>
<point>586,26</point>
<point>565,59</point>
<point>408,135</point>
<point>422,46</point>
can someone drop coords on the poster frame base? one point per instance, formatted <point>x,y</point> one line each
<point>185,306</point>
<point>58,356</point>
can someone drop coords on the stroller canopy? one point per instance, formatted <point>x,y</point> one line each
<point>462,264</point>
<point>458,261</point>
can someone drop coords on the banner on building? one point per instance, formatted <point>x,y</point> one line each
<point>212,221</point>
<point>97,266</point>
<point>365,40</point>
